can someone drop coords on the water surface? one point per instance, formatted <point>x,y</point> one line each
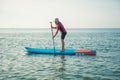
<point>16,64</point>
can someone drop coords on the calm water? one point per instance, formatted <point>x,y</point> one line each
<point>16,64</point>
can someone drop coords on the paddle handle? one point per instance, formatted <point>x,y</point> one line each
<point>50,24</point>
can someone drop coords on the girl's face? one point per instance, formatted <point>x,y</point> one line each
<point>56,22</point>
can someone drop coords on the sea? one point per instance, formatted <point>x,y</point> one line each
<point>17,64</point>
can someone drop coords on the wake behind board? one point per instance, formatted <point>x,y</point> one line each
<point>79,52</point>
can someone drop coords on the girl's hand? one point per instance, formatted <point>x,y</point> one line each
<point>53,36</point>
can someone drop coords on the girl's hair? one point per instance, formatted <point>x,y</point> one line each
<point>56,19</point>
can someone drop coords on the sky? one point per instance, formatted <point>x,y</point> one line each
<point>72,13</point>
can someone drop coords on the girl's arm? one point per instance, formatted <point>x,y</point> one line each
<point>54,27</point>
<point>56,33</point>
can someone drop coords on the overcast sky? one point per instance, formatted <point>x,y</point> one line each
<point>72,13</point>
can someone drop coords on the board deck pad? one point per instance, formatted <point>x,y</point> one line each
<point>78,52</point>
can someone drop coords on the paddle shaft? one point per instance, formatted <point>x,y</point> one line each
<point>52,37</point>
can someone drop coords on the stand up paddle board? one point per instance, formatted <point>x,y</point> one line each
<point>78,52</point>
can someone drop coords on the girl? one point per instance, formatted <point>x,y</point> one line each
<point>60,27</point>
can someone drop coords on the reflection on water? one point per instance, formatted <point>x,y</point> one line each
<point>58,69</point>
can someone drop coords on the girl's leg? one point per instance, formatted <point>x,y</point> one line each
<point>62,45</point>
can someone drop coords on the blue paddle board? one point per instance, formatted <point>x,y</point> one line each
<point>79,52</point>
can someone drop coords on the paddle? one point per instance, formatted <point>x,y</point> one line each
<point>52,37</point>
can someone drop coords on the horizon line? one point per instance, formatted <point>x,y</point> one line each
<point>49,27</point>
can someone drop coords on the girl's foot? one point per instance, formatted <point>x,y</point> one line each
<point>61,50</point>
